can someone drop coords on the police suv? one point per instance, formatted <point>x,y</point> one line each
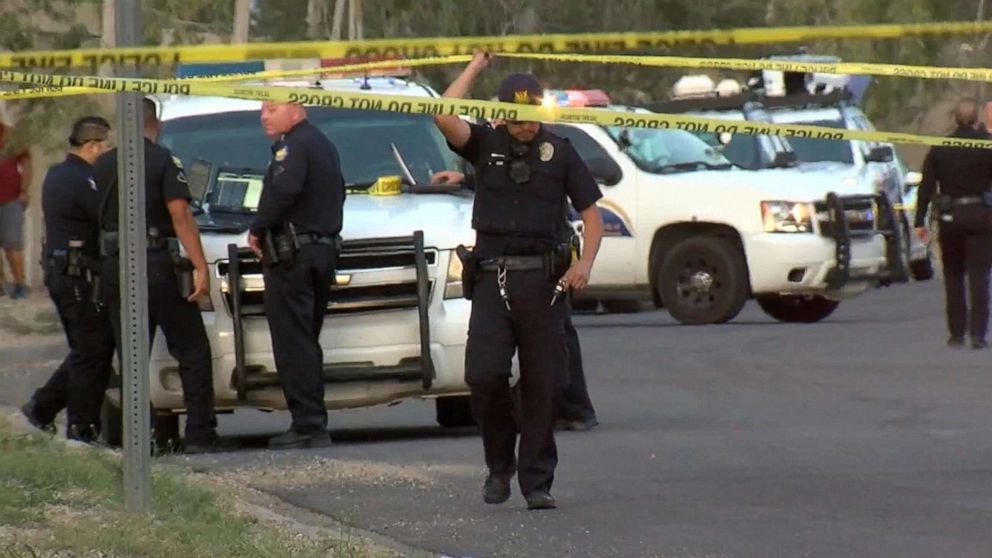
<point>700,221</point>
<point>396,324</point>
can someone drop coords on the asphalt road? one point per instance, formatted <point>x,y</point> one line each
<point>859,436</point>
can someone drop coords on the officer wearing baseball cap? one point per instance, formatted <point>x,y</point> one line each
<point>516,277</point>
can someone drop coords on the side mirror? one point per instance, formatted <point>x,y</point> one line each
<point>605,170</point>
<point>913,179</point>
<point>881,154</point>
<point>624,138</point>
<point>784,159</point>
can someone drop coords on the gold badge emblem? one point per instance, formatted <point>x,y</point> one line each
<point>178,162</point>
<point>521,97</point>
<point>547,151</point>
<point>281,154</point>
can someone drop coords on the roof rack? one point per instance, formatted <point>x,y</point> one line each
<point>737,102</point>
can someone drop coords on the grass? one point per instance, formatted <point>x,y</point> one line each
<point>56,500</point>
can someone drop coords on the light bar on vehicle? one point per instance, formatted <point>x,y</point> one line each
<point>578,97</point>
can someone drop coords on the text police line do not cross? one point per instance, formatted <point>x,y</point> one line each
<point>488,110</point>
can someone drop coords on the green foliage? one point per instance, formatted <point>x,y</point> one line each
<point>76,497</point>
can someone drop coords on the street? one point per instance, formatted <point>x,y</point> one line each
<point>863,435</point>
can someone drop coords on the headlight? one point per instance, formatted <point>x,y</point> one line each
<point>786,217</point>
<point>453,282</point>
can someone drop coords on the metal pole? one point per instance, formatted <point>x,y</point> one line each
<point>133,271</point>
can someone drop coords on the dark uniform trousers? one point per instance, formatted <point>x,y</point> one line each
<point>185,337</point>
<point>966,250</point>
<point>575,401</point>
<point>537,332</point>
<point>85,371</point>
<point>295,304</point>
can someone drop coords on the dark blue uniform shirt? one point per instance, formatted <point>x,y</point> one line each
<point>70,201</point>
<point>526,218</point>
<point>165,181</point>
<point>303,184</point>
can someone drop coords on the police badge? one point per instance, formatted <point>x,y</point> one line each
<point>281,153</point>
<point>547,151</point>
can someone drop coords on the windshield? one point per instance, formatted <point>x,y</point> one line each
<point>810,150</point>
<point>744,150</point>
<point>664,151</point>
<point>235,139</point>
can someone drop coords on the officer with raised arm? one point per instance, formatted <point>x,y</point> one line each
<point>516,277</point>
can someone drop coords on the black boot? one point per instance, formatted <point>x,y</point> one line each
<point>496,490</point>
<point>86,433</point>
<point>301,440</point>
<point>30,411</point>
<point>540,500</point>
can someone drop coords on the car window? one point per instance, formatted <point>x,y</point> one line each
<point>362,138</point>
<point>586,147</point>
<point>664,151</point>
<point>810,150</point>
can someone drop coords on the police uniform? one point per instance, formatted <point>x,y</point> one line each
<point>961,177</point>
<point>575,411</point>
<point>70,203</point>
<point>179,319</point>
<point>303,192</point>
<point>517,217</point>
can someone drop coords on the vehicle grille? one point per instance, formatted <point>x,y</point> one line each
<point>860,211</point>
<point>377,275</point>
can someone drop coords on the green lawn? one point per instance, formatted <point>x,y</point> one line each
<point>54,498</point>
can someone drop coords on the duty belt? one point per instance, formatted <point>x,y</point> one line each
<point>967,200</point>
<point>512,263</point>
<point>312,238</point>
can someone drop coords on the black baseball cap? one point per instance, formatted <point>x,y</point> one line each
<point>520,88</point>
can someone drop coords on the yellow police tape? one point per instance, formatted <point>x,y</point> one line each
<point>52,91</point>
<point>477,109</point>
<point>93,58</point>
<point>852,68</point>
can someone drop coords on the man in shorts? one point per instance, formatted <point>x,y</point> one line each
<point>15,179</point>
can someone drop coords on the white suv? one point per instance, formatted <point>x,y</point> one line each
<point>396,323</point>
<point>700,235</point>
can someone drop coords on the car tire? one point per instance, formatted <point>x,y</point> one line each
<point>111,422</point>
<point>454,411</point>
<point>703,280</point>
<point>165,433</point>
<point>804,309</point>
<point>922,270</point>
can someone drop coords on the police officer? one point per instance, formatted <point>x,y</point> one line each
<point>961,179</point>
<point>169,221</point>
<point>524,174</point>
<point>70,202</point>
<point>575,411</point>
<point>295,232</point>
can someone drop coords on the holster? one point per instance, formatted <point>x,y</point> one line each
<point>557,261</point>
<point>109,243</point>
<point>183,269</point>
<point>280,246</point>
<point>470,267</point>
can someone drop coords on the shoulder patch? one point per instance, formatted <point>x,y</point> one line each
<point>547,151</point>
<point>178,162</point>
<point>281,154</point>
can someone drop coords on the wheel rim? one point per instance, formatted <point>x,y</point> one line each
<point>699,284</point>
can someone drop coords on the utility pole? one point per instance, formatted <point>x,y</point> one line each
<point>133,271</point>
